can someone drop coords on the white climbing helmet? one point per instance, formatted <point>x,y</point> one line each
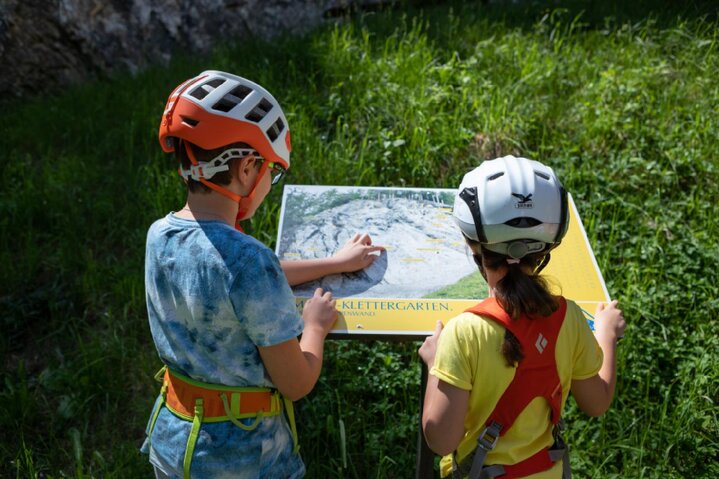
<point>512,206</point>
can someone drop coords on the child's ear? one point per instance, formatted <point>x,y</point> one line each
<point>243,168</point>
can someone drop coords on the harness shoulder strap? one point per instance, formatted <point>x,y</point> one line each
<point>535,376</point>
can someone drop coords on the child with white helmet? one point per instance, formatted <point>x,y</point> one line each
<point>501,372</point>
<point>221,311</point>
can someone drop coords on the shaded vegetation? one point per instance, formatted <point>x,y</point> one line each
<point>621,99</point>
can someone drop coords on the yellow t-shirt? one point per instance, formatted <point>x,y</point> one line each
<point>469,357</point>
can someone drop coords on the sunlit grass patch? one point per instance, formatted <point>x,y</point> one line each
<point>620,99</point>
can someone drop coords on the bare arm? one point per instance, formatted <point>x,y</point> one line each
<point>298,271</point>
<point>443,415</point>
<point>356,254</point>
<point>444,405</point>
<point>294,366</point>
<point>594,395</point>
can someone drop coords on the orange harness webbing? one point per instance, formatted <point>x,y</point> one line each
<point>182,396</point>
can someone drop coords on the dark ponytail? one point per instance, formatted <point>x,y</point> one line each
<point>519,293</point>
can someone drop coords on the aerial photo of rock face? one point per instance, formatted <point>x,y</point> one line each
<point>425,250</point>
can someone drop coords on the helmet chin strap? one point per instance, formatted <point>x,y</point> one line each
<point>243,202</point>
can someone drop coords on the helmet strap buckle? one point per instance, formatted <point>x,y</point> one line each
<point>520,249</point>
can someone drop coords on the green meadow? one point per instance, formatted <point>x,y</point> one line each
<point>469,287</point>
<point>622,100</point>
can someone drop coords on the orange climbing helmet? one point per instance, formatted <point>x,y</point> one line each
<point>215,109</point>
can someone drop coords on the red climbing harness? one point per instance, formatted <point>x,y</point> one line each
<point>536,376</point>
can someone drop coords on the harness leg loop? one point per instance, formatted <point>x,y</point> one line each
<point>160,402</point>
<point>192,438</point>
<point>290,409</point>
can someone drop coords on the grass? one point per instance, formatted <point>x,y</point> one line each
<point>472,286</point>
<point>620,99</point>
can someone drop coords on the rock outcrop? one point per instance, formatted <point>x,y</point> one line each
<point>45,44</point>
<point>425,250</point>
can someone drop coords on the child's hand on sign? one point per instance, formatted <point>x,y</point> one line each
<point>609,322</point>
<point>429,347</point>
<point>320,312</point>
<point>356,254</point>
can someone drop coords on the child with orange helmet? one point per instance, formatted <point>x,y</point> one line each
<point>501,372</point>
<point>221,311</point>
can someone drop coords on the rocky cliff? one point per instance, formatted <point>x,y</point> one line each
<point>425,250</point>
<point>49,43</point>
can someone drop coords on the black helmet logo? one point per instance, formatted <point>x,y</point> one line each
<point>525,201</point>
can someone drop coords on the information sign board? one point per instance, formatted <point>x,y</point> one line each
<point>426,273</point>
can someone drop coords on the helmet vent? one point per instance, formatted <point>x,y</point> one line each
<point>541,175</point>
<point>260,111</point>
<point>523,222</point>
<point>274,131</point>
<point>225,104</point>
<point>241,92</point>
<point>206,88</point>
<point>189,121</point>
<point>496,175</point>
<point>232,99</point>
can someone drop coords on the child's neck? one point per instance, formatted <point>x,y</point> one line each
<point>209,206</point>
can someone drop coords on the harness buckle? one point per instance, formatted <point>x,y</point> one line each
<point>489,437</point>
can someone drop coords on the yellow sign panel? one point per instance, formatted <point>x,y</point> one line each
<point>574,269</point>
<point>426,273</point>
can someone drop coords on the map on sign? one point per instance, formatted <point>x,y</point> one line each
<point>427,271</point>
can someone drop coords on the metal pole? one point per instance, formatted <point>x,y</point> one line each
<point>425,456</point>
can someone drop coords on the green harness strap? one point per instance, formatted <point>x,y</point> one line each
<point>192,438</point>
<point>232,418</point>
<point>161,399</point>
<point>290,409</point>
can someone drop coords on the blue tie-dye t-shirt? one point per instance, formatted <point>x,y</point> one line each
<point>214,295</point>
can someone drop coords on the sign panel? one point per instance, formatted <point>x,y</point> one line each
<point>427,271</point>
